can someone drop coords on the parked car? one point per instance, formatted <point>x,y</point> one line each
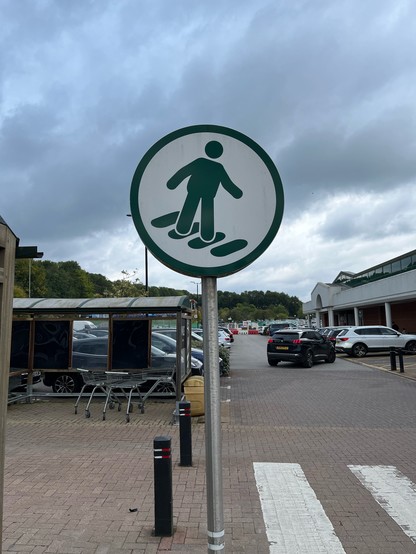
<point>305,346</point>
<point>80,335</point>
<point>168,345</point>
<point>358,340</point>
<point>229,333</point>
<point>19,382</point>
<point>171,332</point>
<point>273,327</point>
<point>331,333</point>
<point>224,339</point>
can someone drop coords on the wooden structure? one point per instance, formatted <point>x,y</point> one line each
<point>8,244</point>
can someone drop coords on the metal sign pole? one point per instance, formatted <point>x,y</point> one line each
<point>215,516</point>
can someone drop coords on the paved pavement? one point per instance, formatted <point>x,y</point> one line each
<point>76,485</point>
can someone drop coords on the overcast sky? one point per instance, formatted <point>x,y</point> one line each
<point>327,89</point>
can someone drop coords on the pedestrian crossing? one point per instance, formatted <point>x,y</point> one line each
<point>295,520</point>
<point>393,491</point>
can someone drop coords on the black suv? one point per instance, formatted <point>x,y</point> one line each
<point>299,345</point>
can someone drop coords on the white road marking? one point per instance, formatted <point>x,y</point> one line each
<point>395,493</point>
<point>295,519</point>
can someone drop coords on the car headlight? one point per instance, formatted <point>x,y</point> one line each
<point>195,364</point>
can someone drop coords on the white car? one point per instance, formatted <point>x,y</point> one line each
<point>357,341</point>
<point>224,339</point>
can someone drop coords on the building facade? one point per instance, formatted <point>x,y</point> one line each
<point>382,295</point>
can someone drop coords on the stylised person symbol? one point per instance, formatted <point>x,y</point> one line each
<point>205,177</point>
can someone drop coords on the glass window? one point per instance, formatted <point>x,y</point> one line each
<point>387,331</point>
<point>406,262</point>
<point>368,331</point>
<point>395,266</point>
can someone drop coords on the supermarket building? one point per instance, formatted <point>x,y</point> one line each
<point>380,295</point>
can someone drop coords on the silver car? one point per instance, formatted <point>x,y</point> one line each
<point>357,341</point>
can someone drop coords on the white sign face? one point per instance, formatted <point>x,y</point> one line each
<point>206,200</point>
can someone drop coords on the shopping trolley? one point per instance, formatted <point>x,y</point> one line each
<point>97,379</point>
<point>161,381</point>
<point>125,383</point>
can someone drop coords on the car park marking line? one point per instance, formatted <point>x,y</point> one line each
<point>395,493</point>
<point>294,518</point>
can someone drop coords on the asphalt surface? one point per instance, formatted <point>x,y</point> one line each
<point>70,482</point>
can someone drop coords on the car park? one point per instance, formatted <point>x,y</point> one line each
<point>305,346</point>
<point>357,341</point>
<point>92,353</point>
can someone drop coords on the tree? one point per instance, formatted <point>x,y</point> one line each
<point>102,286</point>
<point>67,280</point>
<point>128,286</point>
<point>30,274</point>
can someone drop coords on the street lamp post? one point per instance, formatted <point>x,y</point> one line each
<point>197,291</point>
<point>197,283</point>
<point>146,267</point>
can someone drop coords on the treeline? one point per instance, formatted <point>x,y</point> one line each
<point>256,305</point>
<point>46,279</point>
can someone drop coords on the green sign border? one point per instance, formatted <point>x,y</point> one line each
<point>161,255</point>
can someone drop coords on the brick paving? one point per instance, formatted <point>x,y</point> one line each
<point>70,482</point>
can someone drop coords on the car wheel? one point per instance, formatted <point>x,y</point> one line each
<point>66,384</point>
<point>411,346</point>
<point>308,361</point>
<point>273,362</point>
<point>359,350</point>
<point>331,357</point>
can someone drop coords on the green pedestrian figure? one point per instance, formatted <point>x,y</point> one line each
<point>205,177</point>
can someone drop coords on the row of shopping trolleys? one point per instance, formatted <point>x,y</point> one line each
<point>121,385</point>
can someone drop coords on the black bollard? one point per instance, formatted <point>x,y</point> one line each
<point>163,487</point>
<point>393,366</point>
<point>185,433</point>
<point>401,363</point>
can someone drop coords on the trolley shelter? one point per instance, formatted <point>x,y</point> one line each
<point>46,334</point>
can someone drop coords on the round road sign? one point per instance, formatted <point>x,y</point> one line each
<point>206,200</point>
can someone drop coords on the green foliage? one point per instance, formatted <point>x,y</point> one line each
<point>257,305</point>
<point>128,286</point>
<point>30,274</point>
<point>225,355</point>
<point>68,280</point>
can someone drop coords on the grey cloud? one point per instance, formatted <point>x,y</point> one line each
<point>325,88</point>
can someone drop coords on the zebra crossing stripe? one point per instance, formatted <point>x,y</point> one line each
<point>294,518</point>
<point>395,493</point>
